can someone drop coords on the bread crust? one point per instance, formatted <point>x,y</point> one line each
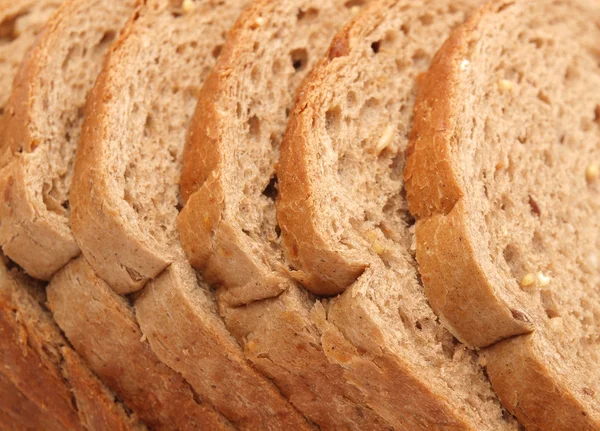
<point>464,287</point>
<point>124,360</point>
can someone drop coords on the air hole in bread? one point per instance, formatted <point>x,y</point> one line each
<point>216,52</point>
<point>8,28</point>
<point>271,190</point>
<point>512,257</point>
<point>254,127</point>
<point>375,46</point>
<point>405,28</point>
<point>549,302</point>
<point>148,126</point>
<point>333,118</point>
<point>351,99</point>
<point>535,208</point>
<point>420,59</point>
<point>537,242</point>
<point>308,14</point>
<point>255,74</point>
<point>276,67</point>
<point>352,3</point>
<point>543,97</point>
<point>299,59</point>
<point>107,38</point>
<point>426,19</point>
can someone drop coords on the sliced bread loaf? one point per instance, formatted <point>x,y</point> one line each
<point>101,326</point>
<point>345,224</point>
<point>228,224</point>
<point>17,412</point>
<point>38,361</point>
<point>503,179</point>
<point>20,23</point>
<point>125,200</point>
<point>40,132</point>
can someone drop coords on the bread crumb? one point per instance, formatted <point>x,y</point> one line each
<point>528,280</point>
<point>251,346</point>
<point>506,85</point>
<point>464,65</point>
<point>144,338</point>
<point>543,279</point>
<point>592,172</point>
<point>355,9</point>
<point>258,22</point>
<point>385,140</point>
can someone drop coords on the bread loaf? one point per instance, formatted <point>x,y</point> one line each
<point>501,179</point>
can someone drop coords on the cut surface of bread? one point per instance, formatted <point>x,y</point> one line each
<point>38,361</point>
<point>345,224</point>
<point>503,179</point>
<point>102,327</point>
<point>125,204</point>
<point>17,412</point>
<point>228,224</point>
<point>20,23</point>
<point>40,132</point>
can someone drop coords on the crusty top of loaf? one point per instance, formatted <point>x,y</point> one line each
<point>233,145</point>
<point>503,179</point>
<point>20,23</point>
<point>125,192</point>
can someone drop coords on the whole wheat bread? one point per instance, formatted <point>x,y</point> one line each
<point>346,228</point>
<point>228,225</point>
<point>40,132</point>
<point>20,23</point>
<point>503,178</point>
<point>38,361</point>
<point>125,199</point>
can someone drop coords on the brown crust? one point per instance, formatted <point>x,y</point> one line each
<point>17,412</point>
<point>534,392</point>
<point>99,219</point>
<point>462,284</point>
<point>434,196</point>
<point>323,269</point>
<point>123,359</point>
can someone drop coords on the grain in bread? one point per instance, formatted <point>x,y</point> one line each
<point>40,132</point>
<point>125,198</point>
<point>228,223</point>
<point>506,130</point>
<point>346,228</point>
<point>20,23</point>
<point>38,361</point>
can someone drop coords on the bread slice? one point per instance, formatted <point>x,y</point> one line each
<point>125,199</point>
<point>123,359</point>
<point>228,224</point>
<point>344,219</point>
<point>502,178</point>
<point>40,132</point>
<point>38,361</point>
<point>18,412</point>
<point>20,23</point>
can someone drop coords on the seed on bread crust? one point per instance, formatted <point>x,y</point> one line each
<point>528,280</point>
<point>506,84</point>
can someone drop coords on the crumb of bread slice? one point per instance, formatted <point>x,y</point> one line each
<point>346,228</point>
<point>40,132</point>
<point>500,178</point>
<point>125,202</point>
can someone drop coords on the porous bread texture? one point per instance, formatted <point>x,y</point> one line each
<point>125,198</point>
<point>233,144</point>
<point>124,360</point>
<point>506,130</point>
<point>345,223</point>
<point>39,362</point>
<point>41,128</point>
<point>19,412</point>
<point>20,23</point>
